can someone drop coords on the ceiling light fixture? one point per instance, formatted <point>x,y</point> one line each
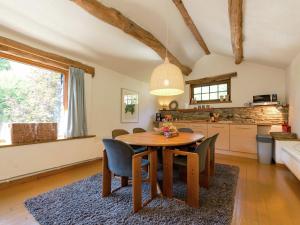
<point>166,78</point>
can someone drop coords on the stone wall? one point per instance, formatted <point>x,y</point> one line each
<point>256,114</point>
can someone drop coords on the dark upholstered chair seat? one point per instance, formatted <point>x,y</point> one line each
<point>119,132</point>
<point>138,149</point>
<point>180,160</point>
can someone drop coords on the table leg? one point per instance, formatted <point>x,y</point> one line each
<point>153,173</point>
<point>137,184</point>
<point>168,173</point>
<point>193,180</point>
<point>106,179</point>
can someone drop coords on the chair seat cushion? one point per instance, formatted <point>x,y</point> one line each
<point>145,162</point>
<point>139,149</point>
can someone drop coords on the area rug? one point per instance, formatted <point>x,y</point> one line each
<point>81,203</point>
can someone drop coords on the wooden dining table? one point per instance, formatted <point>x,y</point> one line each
<point>154,140</point>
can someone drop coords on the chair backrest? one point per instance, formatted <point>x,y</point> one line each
<point>202,150</point>
<point>185,130</point>
<point>212,146</point>
<point>118,132</point>
<point>138,130</point>
<point>119,155</point>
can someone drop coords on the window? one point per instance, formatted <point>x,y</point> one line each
<point>213,92</point>
<point>30,94</point>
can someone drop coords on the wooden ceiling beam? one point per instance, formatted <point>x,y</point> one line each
<point>21,50</point>
<point>210,79</point>
<point>118,20</point>
<point>235,9</point>
<point>189,22</point>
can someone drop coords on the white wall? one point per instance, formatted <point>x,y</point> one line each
<point>106,102</point>
<point>293,93</point>
<point>252,79</point>
<point>21,160</point>
<point>103,99</point>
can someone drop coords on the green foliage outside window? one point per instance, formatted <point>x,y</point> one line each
<point>34,95</point>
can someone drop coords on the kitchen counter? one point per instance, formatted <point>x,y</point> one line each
<point>280,136</point>
<point>221,122</point>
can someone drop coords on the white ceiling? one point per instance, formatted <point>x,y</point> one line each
<point>271,30</point>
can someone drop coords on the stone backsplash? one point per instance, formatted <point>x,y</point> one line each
<point>255,114</point>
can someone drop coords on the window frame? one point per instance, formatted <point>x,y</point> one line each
<point>193,86</point>
<point>43,66</point>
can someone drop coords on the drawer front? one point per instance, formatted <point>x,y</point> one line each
<point>243,138</point>
<point>223,138</point>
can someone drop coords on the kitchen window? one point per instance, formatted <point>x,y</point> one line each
<point>214,92</point>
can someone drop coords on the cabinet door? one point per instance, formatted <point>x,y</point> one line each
<point>223,138</point>
<point>243,138</point>
<point>200,128</point>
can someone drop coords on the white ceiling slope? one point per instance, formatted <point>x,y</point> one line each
<point>271,31</point>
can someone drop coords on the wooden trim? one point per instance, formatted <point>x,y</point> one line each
<point>42,142</point>
<point>118,20</point>
<point>189,22</point>
<point>235,9</point>
<point>25,51</point>
<point>210,79</point>
<point>31,62</point>
<point>47,173</point>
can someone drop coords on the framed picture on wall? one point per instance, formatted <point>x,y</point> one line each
<point>129,106</point>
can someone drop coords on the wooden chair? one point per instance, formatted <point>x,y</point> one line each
<point>119,158</point>
<point>118,132</point>
<point>212,149</point>
<point>186,130</point>
<point>196,167</point>
<point>138,130</point>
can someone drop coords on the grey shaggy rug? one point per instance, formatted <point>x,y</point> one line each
<point>81,203</point>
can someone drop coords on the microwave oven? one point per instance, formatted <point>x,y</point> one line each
<point>265,98</point>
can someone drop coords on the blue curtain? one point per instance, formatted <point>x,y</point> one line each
<point>76,125</point>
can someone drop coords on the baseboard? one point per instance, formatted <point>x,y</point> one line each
<point>44,173</point>
<point>238,154</point>
<point>281,165</point>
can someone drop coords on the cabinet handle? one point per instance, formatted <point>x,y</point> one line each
<point>217,127</point>
<point>244,128</point>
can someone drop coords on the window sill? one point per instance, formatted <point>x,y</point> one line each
<point>5,144</point>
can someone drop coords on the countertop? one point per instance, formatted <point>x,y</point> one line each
<point>280,136</point>
<point>221,122</point>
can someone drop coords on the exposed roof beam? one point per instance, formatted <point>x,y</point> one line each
<point>117,19</point>
<point>235,9</point>
<point>189,22</point>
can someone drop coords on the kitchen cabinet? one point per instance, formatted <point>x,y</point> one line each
<point>234,139</point>
<point>243,138</point>
<point>199,127</point>
<point>223,138</point>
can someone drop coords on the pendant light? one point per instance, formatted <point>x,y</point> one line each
<point>166,79</point>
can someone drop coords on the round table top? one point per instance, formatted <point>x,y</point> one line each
<point>158,140</point>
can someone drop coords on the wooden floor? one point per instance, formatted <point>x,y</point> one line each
<point>265,194</point>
